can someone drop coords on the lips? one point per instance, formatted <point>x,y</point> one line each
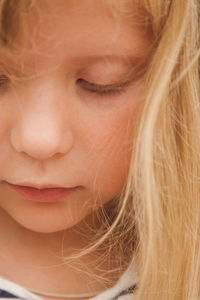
<point>42,195</point>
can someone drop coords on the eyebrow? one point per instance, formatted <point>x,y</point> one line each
<point>110,58</point>
<point>133,63</point>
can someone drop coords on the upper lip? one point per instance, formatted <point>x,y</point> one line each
<point>41,186</point>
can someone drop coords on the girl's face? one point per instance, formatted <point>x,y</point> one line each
<point>69,119</point>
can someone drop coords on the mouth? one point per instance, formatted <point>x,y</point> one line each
<point>48,193</point>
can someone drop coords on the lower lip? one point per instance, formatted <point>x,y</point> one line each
<point>42,195</point>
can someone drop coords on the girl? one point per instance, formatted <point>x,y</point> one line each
<point>99,149</point>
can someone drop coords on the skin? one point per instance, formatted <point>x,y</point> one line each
<point>54,129</point>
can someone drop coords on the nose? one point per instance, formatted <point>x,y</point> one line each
<point>41,132</point>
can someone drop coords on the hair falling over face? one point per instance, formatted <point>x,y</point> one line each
<point>158,213</point>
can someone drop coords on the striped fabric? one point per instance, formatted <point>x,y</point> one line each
<point>4,294</point>
<point>123,290</point>
<point>128,291</point>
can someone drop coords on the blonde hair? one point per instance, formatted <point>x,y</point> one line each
<point>158,212</point>
<point>165,168</point>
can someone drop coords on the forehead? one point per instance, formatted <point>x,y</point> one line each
<point>74,29</point>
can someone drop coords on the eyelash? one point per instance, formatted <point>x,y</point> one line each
<point>4,81</point>
<point>101,90</point>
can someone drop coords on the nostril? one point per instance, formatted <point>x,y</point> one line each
<point>42,144</point>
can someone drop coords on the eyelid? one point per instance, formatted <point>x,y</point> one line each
<point>4,81</point>
<point>3,78</point>
<point>102,88</point>
<point>134,73</point>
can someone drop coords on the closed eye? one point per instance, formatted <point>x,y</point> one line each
<point>4,81</point>
<point>100,88</point>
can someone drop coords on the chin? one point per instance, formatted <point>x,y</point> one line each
<point>48,219</point>
<point>42,228</point>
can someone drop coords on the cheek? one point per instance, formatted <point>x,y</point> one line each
<point>111,150</point>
